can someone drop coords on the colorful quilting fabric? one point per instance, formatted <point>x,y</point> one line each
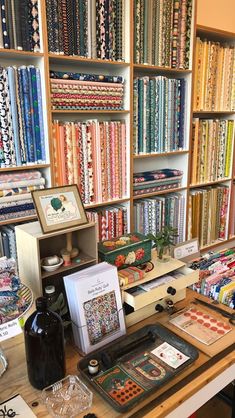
<point>96,148</point>
<point>144,176</point>
<point>214,82</point>
<point>159,114</point>
<point>20,25</point>
<point>211,151</point>
<point>15,193</point>
<point>208,214</point>
<point>78,94</point>
<point>162,32</point>
<point>89,28</point>
<point>21,115</point>
<point>152,214</point>
<point>111,221</point>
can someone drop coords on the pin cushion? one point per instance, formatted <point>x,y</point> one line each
<point>128,250</point>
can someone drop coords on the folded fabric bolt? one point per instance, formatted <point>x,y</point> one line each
<point>130,275</point>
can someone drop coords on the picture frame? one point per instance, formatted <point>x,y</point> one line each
<point>59,208</point>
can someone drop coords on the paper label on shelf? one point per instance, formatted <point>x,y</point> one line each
<point>10,329</point>
<point>186,249</point>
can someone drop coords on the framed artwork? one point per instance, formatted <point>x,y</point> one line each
<point>59,208</point>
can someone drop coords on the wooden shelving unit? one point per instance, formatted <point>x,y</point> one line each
<point>33,246</point>
<point>224,38</point>
<point>129,69</point>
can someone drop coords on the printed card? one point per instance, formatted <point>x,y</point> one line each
<point>200,325</point>
<point>170,355</point>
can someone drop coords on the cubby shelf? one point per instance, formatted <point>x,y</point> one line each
<point>33,246</point>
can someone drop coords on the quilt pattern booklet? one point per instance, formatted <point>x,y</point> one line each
<point>95,305</point>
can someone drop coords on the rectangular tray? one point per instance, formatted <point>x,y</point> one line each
<point>119,380</point>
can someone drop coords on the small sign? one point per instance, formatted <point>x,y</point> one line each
<point>15,407</point>
<point>186,250</point>
<point>10,329</point>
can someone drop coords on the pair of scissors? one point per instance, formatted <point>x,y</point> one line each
<point>230,316</point>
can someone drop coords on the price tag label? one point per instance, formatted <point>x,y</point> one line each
<point>186,250</point>
<point>10,329</point>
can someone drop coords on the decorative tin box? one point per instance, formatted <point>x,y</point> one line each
<point>128,250</point>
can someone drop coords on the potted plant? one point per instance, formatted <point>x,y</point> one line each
<point>164,240</point>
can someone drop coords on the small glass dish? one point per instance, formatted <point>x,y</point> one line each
<point>67,397</point>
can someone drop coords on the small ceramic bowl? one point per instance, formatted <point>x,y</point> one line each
<point>53,267</point>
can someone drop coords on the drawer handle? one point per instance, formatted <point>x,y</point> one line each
<point>171,290</point>
<point>159,308</point>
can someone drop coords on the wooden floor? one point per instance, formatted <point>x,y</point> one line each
<point>215,408</point>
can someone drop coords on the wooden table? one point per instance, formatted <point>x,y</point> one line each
<point>187,391</point>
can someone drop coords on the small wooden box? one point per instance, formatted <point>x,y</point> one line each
<point>128,250</point>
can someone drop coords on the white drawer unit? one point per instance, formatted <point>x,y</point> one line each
<point>149,310</point>
<point>137,297</point>
<point>167,280</point>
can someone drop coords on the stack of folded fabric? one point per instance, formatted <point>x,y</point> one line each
<point>15,193</point>
<point>86,91</point>
<point>216,276</point>
<point>156,180</point>
<point>130,275</point>
<point>13,299</point>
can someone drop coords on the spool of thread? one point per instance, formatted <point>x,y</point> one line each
<point>66,257</point>
<point>93,366</point>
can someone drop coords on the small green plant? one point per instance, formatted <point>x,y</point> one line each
<point>164,239</point>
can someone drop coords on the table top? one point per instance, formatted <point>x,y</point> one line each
<point>157,405</point>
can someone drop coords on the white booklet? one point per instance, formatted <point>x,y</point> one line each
<point>95,305</point>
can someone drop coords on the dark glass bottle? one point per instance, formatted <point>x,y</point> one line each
<point>44,346</point>
<point>51,295</point>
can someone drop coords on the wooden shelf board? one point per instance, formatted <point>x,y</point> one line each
<point>15,52</point>
<point>107,203</point>
<point>193,186</point>
<point>54,111</point>
<point>214,112</point>
<point>141,196</point>
<point>85,259</point>
<point>153,68</point>
<point>76,58</point>
<point>25,167</point>
<point>17,220</point>
<point>34,230</point>
<point>217,243</point>
<point>160,154</point>
<point>200,29</point>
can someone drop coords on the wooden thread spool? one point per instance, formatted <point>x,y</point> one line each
<point>69,252</point>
